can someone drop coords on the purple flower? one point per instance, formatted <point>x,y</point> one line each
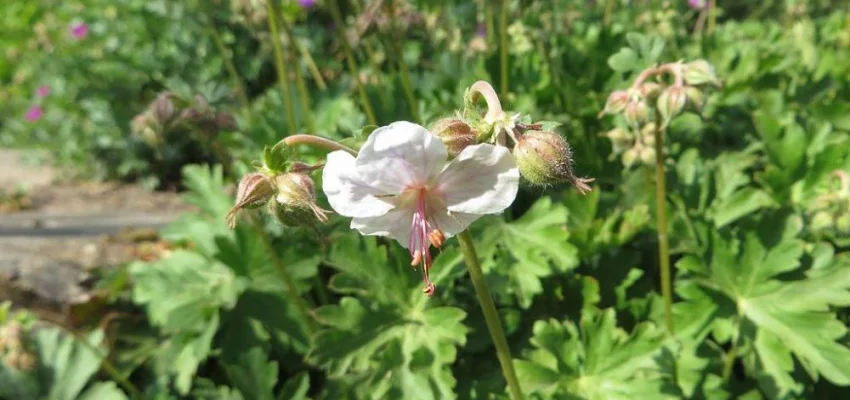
<point>43,91</point>
<point>79,30</point>
<point>34,114</point>
<point>697,4</point>
<point>306,3</point>
<point>481,29</point>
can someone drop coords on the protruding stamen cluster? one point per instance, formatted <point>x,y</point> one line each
<point>423,234</point>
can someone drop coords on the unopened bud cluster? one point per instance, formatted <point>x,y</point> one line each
<point>169,117</point>
<point>284,188</point>
<point>829,214</point>
<point>543,157</point>
<point>13,352</point>
<point>649,106</point>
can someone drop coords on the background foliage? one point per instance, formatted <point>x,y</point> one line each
<point>760,219</point>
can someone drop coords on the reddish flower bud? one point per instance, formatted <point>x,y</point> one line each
<point>455,133</point>
<point>254,190</point>
<point>636,112</point>
<point>671,102</point>
<point>700,72</point>
<point>545,158</point>
<point>616,102</point>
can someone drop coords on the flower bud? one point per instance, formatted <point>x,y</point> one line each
<point>163,109</point>
<point>616,102</point>
<point>700,72</point>
<point>842,223</point>
<point>695,99</point>
<point>295,202</point>
<point>647,155</point>
<point>545,158</point>
<point>621,139</point>
<point>254,190</point>
<point>455,134</point>
<point>636,112</point>
<point>630,156</point>
<point>821,221</point>
<point>649,90</point>
<point>671,102</point>
<point>647,134</point>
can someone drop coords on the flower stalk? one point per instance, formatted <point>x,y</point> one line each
<point>311,64</point>
<point>300,84</point>
<point>317,141</point>
<point>503,45</point>
<point>280,65</point>
<point>491,315</point>
<point>352,63</point>
<point>661,223</point>
<point>405,72</point>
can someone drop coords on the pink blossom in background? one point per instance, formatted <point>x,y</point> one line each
<point>79,30</point>
<point>34,114</point>
<point>43,91</point>
<point>481,29</point>
<point>697,4</point>
<point>306,3</point>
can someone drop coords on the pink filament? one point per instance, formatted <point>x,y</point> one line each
<point>418,241</point>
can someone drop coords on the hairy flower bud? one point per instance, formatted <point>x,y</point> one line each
<point>649,90</point>
<point>254,190</point>
<point>671,102</point>
<point>295,202</point>
<point>647,155</point>
<point>700,72</point>
<point>636,112</point>
<point>545,158</point>
<point>455,133</point>
<point>647,134</point>
<point>163,109</point>
<point>616,102</point>
<point>695,99</point>
<point>630,156</point>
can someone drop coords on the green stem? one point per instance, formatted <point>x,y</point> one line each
<point>712,15</point>
<point>661,224</point>
<point>491,316</point>
<point>291,289</point>
<point>375,66</point>
<point>303,94</point>
<point>405,72</point>
<point>609,11</point>
<point>271,9</point>
<point>729,359</point>
<point>503,46</point>
<point>352,64</point>
<point>318,142</point>
<point>228,64</point>
<point>311,64</point>
<point>107,366</point>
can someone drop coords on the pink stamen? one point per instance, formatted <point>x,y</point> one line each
<point>419,241</point>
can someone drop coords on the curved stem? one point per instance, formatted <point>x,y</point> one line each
<point>318,142</point>
<point>291,289</point>
<point>661,224</point>
<point>352,64</point>
<point>494,105</point>
<point>273,14</point>
<point>491,316</point>
<point>503,45</point>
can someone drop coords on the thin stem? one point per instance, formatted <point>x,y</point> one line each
<point>318,142</point>
<point>402,66</point>
<point>303,94</point>
<point>712,15</point>
<point>729,359</point>
<point>609,10</point>
<point>311,64</point>
<point>228,64</point>
<point>503,45</point>
<point>491,315</point>
<point>661,224</point>
<point>352,64</point>
<point>107,366</point>
<point>291,289</point>
<point>271,9</point>
<point>375,66</point>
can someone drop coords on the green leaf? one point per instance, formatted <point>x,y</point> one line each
<point>760,273</point>
<point>520,253</point>
<point>254,375</point>
<point>69,363</point>
<point>103,391</point>
<point>296,388</point>
<point>393,336</point>
<point>624,60</point>
<point>739,204</point>
<point>593,360</point>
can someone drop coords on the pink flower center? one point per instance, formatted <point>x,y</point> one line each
<point>424,232</point>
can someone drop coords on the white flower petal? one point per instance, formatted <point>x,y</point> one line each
<point>347,193</point>
<point>400,155</point>
<point>395,224</point>
<point>452,223</point>
<point>483,179</point>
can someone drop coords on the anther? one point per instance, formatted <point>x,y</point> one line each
<point>437,238</point>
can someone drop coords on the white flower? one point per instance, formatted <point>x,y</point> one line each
<point>401,186</point>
